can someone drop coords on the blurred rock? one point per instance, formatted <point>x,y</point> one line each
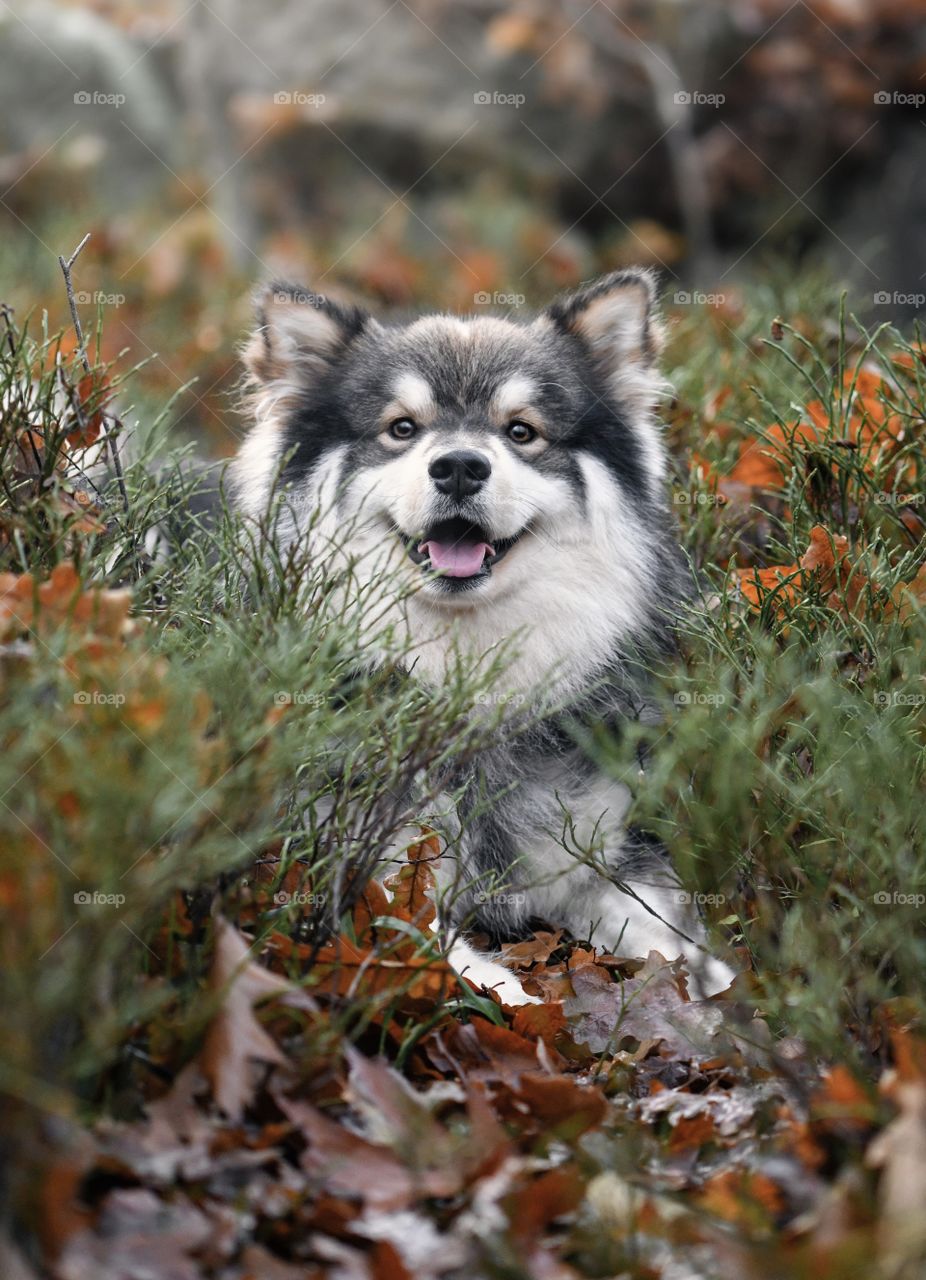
<point>75,88</point>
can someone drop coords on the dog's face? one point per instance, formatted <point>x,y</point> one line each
<point>500,460</point>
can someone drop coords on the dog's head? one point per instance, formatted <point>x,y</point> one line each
<point>500,457</point>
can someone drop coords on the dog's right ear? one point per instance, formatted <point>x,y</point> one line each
<point>299,334</point>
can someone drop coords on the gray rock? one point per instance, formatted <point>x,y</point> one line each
<point>75,87</point>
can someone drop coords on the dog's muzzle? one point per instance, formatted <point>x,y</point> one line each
<point>461,551</point>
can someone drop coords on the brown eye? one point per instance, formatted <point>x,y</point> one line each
<point>521,433</point>
<point>402,429</point>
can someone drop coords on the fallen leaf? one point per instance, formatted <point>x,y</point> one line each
<point>235,1038</point>
<point>604,1014</point>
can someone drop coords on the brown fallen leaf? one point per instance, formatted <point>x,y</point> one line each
<point>93,393</point>
<point>412,886</point>
<point>534,1206</point>
<point>235,1037</point>
<point>560,1106</point>
<point>482,1051</point>
<point>603,1014</point>
<point>824,567</point>
<point>539,1021</point>
<point>351,1165</point>
<point>745,1198</point>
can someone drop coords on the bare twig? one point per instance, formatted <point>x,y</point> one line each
<point>114,425</point>
<point>66,264</point>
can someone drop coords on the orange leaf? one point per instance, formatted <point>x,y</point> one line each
<point>691,1132</point>
<point>92,393</point>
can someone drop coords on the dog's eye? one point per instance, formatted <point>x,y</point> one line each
<point>521,433</point>
<point>402,429</point>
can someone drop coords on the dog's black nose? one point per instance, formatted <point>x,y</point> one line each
<point>460,473</point>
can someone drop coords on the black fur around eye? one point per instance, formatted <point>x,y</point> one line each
<point>521,433</point>
<point>402,429</point>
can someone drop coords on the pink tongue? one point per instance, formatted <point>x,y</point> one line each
<point>456,559</point>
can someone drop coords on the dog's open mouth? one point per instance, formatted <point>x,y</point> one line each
<point>458,549</point>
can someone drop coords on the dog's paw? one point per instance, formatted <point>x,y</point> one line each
<point>510,992</point>
<point>488,974</point>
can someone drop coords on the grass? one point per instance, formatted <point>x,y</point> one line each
<point>168,726</point>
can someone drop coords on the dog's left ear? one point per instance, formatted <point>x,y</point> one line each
<point>616,320</point>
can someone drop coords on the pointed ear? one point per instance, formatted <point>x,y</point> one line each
<point>616,320</point>
<point>299,334</point>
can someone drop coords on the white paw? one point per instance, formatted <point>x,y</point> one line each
<point>708,976</point>
<point>487,973</point>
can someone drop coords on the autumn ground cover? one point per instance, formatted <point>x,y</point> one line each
<point>203,1076</point>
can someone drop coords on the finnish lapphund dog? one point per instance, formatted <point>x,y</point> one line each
<point>514,473</point>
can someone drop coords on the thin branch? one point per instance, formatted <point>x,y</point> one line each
<point>66,264</point>
<point>113,424</point>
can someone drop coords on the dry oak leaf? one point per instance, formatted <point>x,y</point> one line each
<point>235,1037</point>
<point>482,1051</point>
<point>865,418</point>
<point>539,1021</point>
<point>824,565</point>
<point>27,605</point>
<point>402,1157</point>
<point>412,886</point>
<point>648,1007</point>
<point>343,968</point>
<point>764,464</point>
<point>555,1194</point>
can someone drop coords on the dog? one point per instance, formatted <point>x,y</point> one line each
<point>514,474</point>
